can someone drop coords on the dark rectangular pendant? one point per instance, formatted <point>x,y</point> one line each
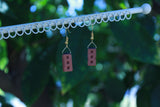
<point>91,56</point>
<point>67,62</point>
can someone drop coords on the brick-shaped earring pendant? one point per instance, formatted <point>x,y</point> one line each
<point>91,56</point>
<point>67,57</point>
<point>92,51</point>
<point>67,62</point>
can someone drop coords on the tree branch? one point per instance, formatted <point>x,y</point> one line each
<point>156,6</point>
<point>5,82</point>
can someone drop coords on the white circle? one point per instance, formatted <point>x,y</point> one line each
<point>146,8</point>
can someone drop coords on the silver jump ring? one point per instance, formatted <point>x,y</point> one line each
<point>7,36</point>
<point>118,17</point>
<point>28,33</point>
<point>59,28</point>
<point>35,32</point>
<point>83,23</point>
<point>87,19</point>
<point>94,20</point>
<point>122,14</point>
<point>130,15</point>
<point>91,44</point>
<point>9,33</point>
<point>103,18</point>
<point>45,27</point>
<point>97,19</point>
<point>110,16</point>
<point>53,23</point>
<point>73,21</point>
<point>19,34</point>
<point>67,27</point>
<point>40,31</point>
<point>65,49</point>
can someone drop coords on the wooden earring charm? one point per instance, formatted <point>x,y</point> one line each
<point>92,51</point>
<point>67,58</point>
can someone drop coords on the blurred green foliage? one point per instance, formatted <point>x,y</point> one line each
<point>3,55</point>
<point>4,102</point>
<point>125,49</point>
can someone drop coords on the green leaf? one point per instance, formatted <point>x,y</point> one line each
<point>139,2</point>
<point>136,38</point>
<point>151,76</point>
<point>147,94</point>
<point>78,41</point>
<point>3,55</point>
<point>90,4</point>
<point>129,79</point>
<point>115,89</point>
<point>2,99</point>
<point>143,97</point>
<point>35,78</point>
<point>155,98</point>
<point>6,105</point>
<point>36,75</point>
<point>78,94</point>
<point>116,4</point>
<point>4,102</point>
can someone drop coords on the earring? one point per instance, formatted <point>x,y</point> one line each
<point>92,51</point>
<point>67,57</point>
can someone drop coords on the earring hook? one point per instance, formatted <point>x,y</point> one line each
<point>92,34</point>
<point>92,38</point>
<point>66,42</point>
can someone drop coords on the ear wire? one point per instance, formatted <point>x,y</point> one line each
<point>92,38</point>
<point>66,42</point>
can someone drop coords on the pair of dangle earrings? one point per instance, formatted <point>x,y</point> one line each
<point>67,55</point>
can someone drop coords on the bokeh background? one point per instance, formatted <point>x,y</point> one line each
<point>128,57</point>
